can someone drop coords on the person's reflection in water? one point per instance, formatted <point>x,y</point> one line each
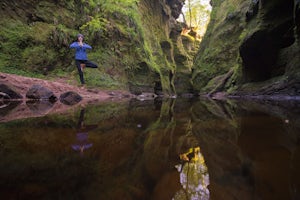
<point>82,142</point>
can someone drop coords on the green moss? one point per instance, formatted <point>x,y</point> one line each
<point>33,47</point>
<point>14,38</point>
<point>40,31</point>
<point>38,58</point>
<point>97,78</point>
<point>51,13</point>
<point>219,49</point>
<point>21,72</point>
<point>243,35</point>
<point>94,25</point>
<point>123,35</point>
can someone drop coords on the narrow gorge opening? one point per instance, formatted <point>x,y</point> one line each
<point>196,16</point>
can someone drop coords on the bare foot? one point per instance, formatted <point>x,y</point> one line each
<point>82,66</point>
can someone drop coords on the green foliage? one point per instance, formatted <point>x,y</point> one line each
<point>14,37</point>
<point>14,70</point>
<point>231,9</point>
<point>40,31</point>
<point>197,13</point>
<point>96,24</point>
<point>91,3</point>
<point>120,37</point>
<point>35,47</point>
<point>96,78</point>
<point>60,36</point>
<point>38,58</point>
<point>243,35</point>
<point>121,6</point>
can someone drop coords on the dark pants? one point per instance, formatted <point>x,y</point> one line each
<point>87,64</point>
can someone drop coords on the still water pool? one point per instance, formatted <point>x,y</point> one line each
<point>179,149</point>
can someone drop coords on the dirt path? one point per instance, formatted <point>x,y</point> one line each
<point>22,84</point>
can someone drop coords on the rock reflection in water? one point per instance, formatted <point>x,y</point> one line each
<point>249,149</point>
<point>39,107</point>
<point>194,176</point>
<point>7,106</point>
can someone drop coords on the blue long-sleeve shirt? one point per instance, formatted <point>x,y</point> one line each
<point>80,53</point>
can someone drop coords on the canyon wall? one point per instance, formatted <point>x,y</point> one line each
<point>251,48</point>
<point>137,44</point>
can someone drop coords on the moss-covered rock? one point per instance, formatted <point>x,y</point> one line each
<point>219,50</point>
<point>256,41</point>
<point>133,42</point>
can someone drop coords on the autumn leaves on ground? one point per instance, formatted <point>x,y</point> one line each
<point>16,110</point>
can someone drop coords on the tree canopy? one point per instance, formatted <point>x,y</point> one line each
<point>196,14</point>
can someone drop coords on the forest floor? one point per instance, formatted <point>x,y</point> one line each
<point>22,84</point>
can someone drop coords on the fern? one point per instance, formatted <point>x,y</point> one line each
<point>96,23</point>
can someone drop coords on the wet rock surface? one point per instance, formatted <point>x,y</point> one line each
<point>70,98</point>
<point>40,92</point>
<point>8,93</point>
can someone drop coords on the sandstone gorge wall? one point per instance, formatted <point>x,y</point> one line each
<point>251,47</point>
<point>138,48</point>
<point>169,50</point>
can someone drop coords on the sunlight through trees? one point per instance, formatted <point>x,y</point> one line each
<point>196,15</point>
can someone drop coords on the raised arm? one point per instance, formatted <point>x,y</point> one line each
<point>74,45</point>
<point>86,46</point>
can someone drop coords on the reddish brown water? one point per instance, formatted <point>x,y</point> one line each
<point>170,149</point>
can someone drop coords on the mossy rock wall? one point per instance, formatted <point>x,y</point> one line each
<point>133,42</point>
<point>219,50</point>
<point>251,47</point>
<point>35,34</point>
<point>168,56</point>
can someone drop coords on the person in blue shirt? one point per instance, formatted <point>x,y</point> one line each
<point>81,58</point>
